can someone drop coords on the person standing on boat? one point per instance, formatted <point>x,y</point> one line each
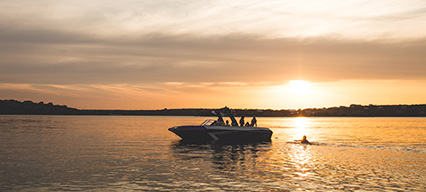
<point>242,121</point>
<point>254,122</point>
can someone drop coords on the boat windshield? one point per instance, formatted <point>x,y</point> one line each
<point>208,122</point>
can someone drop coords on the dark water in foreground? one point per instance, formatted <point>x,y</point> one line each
<point>119,153</point>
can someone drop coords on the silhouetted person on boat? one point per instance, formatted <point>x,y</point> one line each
<point>220,121</point>
<point>253,122</point>
<point>227,123</point>
<point>242,121</point>
<point>304,140</point>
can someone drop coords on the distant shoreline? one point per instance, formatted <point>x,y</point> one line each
<point>14,107</point>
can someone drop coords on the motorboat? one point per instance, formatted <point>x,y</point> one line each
<point>211,130</point>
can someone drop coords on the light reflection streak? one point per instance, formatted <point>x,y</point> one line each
<point>300,124</point>
<point>301,158</point>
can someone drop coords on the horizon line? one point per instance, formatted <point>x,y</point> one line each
<point>166,108</point>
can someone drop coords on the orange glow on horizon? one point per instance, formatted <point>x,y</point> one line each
<point>292,95</point>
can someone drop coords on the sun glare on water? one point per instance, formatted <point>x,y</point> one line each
<point>300,124</point>
<point>299,87</point>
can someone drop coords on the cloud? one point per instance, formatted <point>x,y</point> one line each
<point>149,42</point>
<point>350,19</point>
<point>156,51</point>
<point>49,56</point>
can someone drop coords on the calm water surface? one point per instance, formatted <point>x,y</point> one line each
<point>121,153</point>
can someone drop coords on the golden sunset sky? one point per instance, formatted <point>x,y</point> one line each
<point>154,54</point>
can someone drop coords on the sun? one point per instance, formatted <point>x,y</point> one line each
<point>299,87</point>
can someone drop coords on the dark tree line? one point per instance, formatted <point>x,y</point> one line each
<point>31,108</point>
<point>41,108</point>
<point>368,111</point>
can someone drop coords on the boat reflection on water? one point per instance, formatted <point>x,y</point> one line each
<point>229,166</point>
<point>229,156</point>
<point>257,166</point>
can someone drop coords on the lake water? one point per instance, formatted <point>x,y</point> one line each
<point>126,153</point>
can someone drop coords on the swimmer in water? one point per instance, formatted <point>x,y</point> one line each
<point>304,140</point>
